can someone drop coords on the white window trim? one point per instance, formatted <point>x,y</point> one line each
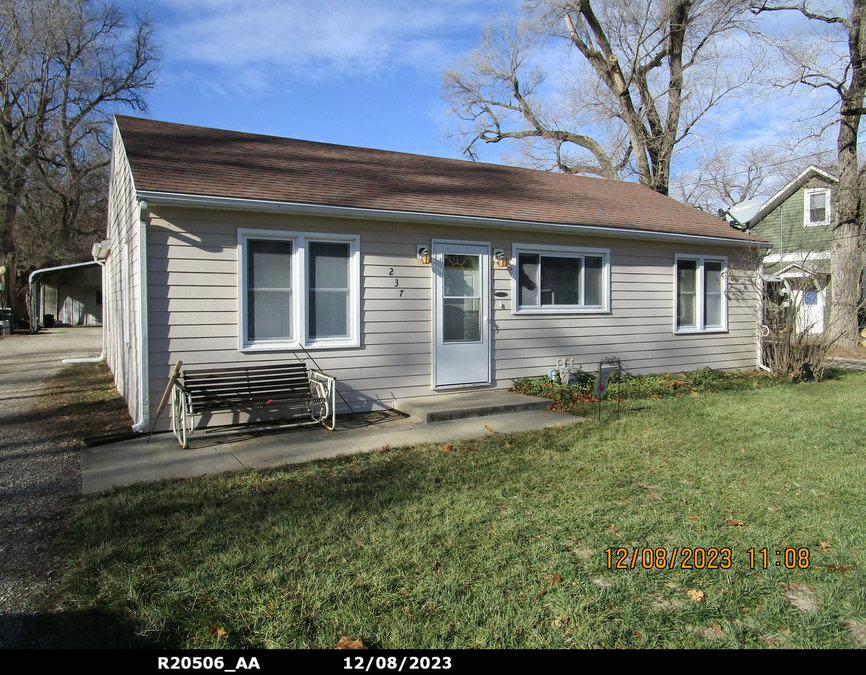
<point>700,296</point>
<point>561,252</point>
<point>300,309</point>
<point>807,199</point>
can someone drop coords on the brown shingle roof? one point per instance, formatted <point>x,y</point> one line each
<point>178,158</point>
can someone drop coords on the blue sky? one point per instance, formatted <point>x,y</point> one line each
<point>367,72</point>
<point>356,73</point>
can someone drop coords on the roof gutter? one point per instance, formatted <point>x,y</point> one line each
<point>35,274</point>
<point>296,208</point>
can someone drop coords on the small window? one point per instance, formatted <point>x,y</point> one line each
<point>817,206</point>
<point>297,290</point>
<point>701,303</point>
<point>560,279</point>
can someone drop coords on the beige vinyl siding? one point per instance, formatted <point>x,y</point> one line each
<point>193,306</point>
<point>121,353</point>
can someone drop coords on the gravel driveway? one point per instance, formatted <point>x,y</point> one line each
<point>40,475</point>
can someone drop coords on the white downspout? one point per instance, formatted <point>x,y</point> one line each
<point>143,342</point>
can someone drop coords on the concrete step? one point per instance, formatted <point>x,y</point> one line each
<point>444,407</point>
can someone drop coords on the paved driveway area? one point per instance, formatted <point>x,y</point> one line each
<point>40,474</point>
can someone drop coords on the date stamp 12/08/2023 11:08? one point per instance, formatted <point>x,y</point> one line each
<point>703,558</point>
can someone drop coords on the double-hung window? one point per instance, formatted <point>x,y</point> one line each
<point>817,206</point>
<point>561,279</point>
<point>297,290</point>
<point>701,297</point>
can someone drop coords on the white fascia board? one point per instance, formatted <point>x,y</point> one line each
<point>45,270</point>
<point>796,257</point>
<point>209,202</point>
<point>789,190</point>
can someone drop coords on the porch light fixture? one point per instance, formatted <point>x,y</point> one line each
<point>423,254</point>
<point>499,258</point>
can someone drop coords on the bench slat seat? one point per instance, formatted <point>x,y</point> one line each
<point>290,386</point>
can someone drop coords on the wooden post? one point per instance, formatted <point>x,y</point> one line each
<point>175,373</point>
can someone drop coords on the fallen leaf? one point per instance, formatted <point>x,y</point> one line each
<point>832,568</point>
<point>692,518</point>
<point>718,629</point>
<point>385,447</point>
<point>349,643</point>
<point>216,629</point>
<point>446,448</point>
<point>826,546</point>
<point>697,596</point>
<point>489,429</point>
<point>733,523</point>
<point>557,577</point>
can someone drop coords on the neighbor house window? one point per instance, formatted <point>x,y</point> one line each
<point>297,290</point>
<point>817,206</point>
<point>701,300</point>
<point>560,279</point>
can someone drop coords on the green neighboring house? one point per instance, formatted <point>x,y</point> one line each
<point>798,220</point>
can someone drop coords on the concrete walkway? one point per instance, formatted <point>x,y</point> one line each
<point>133,461</point>
<point>849,363</point>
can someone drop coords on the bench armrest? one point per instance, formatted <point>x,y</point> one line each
<point>330,382</point>
<point>318,374</point>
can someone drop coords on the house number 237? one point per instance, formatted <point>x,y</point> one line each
<point>396,281</point>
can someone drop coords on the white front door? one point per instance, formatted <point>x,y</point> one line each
<point>461,306</point>
<point>810,310</point>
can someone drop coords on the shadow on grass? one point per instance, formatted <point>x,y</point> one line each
<point>84,629</point>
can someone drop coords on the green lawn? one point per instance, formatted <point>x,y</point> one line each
<point>500,541</point>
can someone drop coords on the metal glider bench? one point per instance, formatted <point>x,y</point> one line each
<point>195,392</point>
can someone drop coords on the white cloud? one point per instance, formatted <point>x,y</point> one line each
<point>254,42</point>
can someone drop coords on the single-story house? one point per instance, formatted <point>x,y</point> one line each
<point>69,295</point>
<point>402,275</point>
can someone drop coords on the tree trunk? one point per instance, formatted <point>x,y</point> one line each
<point>846,264</point>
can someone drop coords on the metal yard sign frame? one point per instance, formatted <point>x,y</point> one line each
<point>606,368</point>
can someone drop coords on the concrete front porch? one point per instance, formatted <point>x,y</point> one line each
<point>463,405</point>
<point>429,419</point>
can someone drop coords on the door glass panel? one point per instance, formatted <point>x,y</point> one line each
<point>461,306</point>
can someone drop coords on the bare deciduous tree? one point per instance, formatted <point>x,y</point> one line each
<point>730,173</point>
<point>65,66</point>
<point>834,57</point>
<point>647,73</point>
